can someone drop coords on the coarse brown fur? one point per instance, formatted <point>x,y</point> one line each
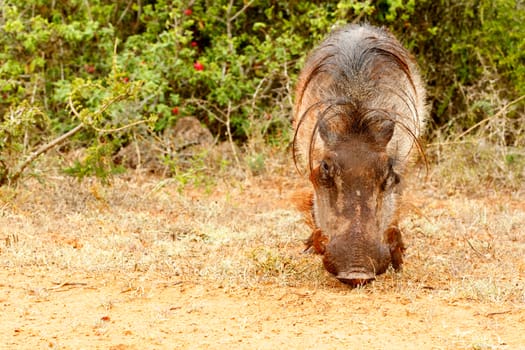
<point>359,110</point>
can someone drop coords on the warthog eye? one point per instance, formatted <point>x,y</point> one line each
<point>326,171</point>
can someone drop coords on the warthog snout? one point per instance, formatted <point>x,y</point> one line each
<point>355,278</point>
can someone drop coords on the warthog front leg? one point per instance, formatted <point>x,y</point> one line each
<point>396,246</point>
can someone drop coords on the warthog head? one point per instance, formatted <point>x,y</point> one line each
<point>355,190</point>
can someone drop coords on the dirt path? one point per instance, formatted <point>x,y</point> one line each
<point>101,313</point>
<point>109,274</point>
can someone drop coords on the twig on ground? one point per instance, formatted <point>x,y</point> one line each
<point>475,250</point>
<point>66,284</point>
<point>498,313</point>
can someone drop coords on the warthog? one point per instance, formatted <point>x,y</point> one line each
<point>359,110</point>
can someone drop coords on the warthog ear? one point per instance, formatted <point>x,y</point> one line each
<point>382,132</point>
<point>328,135</point>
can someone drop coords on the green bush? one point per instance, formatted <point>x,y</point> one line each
<point>232,64</point>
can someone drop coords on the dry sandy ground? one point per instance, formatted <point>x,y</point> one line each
<point>146,264</point>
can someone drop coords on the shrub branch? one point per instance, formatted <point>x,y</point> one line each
<point>41,150</point>
<point>497,115</point>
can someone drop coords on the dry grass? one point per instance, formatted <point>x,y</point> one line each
<point>149,225</point>
<point>488,155</point>
<point>143,233</point>
<point>474,165</point>
<point>247,233</point>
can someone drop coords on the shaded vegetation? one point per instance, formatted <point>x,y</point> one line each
<point>111,65</point>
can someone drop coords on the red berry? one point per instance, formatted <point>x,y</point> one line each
<point>188,12</point>
<point>194,44</point>
<point>125,79</point>
<point>89,68</point>
<point>175,110</point>
<point>198,66</point>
